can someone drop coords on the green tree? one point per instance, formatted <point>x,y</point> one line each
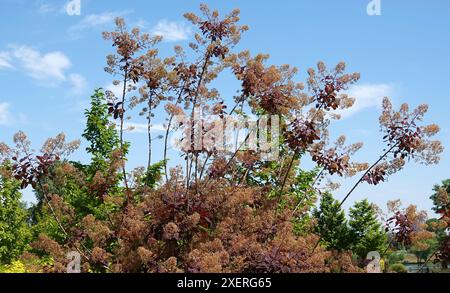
<point>436,226</point>
<point>423,251</point>
<point>77,187</point>
<point>100,132</point>
<point>396,256</point>
<point>439,203</point>
<point>366,231</point>
<point>331,223</point>
<point>14,229</point>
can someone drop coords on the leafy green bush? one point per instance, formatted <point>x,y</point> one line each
<point>398,268</point>
<point>396,256</point>
<point>14,231</point>
<point>15,267</point>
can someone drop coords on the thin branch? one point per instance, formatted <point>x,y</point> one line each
<point>291,162</point>
<point>234,154</point>
<point>149,130</point>
<point>122,156</point>
<point>204,166</point>
<point>166,137</point>
<point>428,259</point>
<point>367,172</point>
<point>194,104</point>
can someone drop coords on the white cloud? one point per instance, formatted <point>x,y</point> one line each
<point>22,118</point>
<point>79,83</point>
<point>171,31</point>
<point>366,96</point>
<point>46,8</point>
<point>95,20</point>
<point>141,23</point>
<point>5,60</point>
<point>92,21</point>
<point>7,119</point>
<point>48,68</point>
<point>5,116</point>
<point>142,127</point>
<point>117,90</point>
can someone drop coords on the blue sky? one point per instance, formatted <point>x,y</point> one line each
<point>50,62</point>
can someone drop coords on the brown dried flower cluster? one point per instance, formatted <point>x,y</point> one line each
<point>405,140</point>
<point>408,226</point>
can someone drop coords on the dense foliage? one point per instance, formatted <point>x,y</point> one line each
<point>14,231</point>
<point>223,211</point>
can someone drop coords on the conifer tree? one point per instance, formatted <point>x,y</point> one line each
<point>331,223</point>
<point>366,233</point>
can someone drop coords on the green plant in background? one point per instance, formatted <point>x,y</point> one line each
<point>396,256</point>
<point>439,203</point>
<point>441,227</point>
<point>423,251</point>
<point>398,268</point>
<point>305,198</point>
<point>366,233</point>
<point>154,174</point>
<point>331,223</point>
<point>15,232</point>
<point>16,267</point>
<point>100,132</point>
